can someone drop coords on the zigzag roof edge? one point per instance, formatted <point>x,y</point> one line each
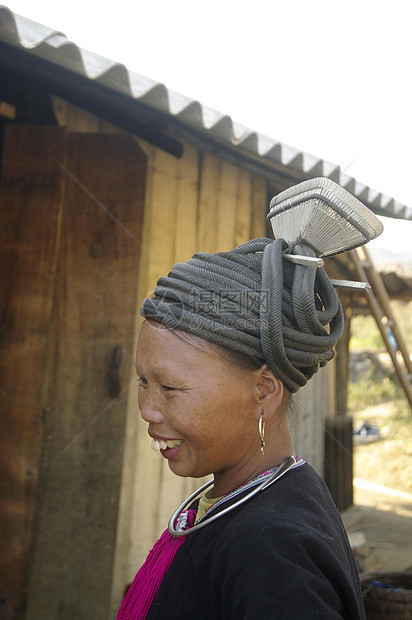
<point>53,46</point>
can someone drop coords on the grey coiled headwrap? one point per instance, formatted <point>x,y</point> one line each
<point>253,301</point>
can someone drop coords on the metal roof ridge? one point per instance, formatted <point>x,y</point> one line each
<point>22,29</point>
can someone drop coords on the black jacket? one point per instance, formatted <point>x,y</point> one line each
<point>283,555</point>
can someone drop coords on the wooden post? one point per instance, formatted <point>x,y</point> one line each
<point>342,358</point>
<point>339,460</point>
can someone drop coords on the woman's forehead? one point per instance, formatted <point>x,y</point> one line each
<point>153,330</point>
<point>177,362</point>
<point>156,341</point>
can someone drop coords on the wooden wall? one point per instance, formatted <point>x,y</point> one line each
<point>69,279</point>
<point>27,266</point>
<point>313,404</point>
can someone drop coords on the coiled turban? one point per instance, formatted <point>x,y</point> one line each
<point>253,301</point>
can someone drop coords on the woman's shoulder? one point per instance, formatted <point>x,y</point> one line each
<point>296,504</point>
<point>290,535</point>
<point>301,492</point>
<point>294,517</point>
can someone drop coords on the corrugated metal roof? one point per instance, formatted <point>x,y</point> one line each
<point>54,47</point>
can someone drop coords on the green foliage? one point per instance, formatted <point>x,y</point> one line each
<point>365,335</point>
<point>366,392</point>
<point>373,387</point>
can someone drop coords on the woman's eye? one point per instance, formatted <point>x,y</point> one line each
<point>141,381</point>
<point>167,388</point>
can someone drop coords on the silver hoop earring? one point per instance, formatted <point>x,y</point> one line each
<point>262,434</point>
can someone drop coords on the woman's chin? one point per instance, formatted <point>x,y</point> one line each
<point>185,470</point>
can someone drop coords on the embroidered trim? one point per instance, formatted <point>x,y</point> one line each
<point>248,485</point>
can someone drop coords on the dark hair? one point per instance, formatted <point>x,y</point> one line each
<point>237,358</point>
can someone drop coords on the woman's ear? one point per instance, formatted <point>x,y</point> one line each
<point>269,392</point>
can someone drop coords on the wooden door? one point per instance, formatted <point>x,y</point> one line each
<point>71,208</point>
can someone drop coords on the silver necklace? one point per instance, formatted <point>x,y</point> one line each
<point>181,521</point>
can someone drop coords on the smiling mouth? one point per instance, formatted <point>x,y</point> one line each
<point>163,445</point>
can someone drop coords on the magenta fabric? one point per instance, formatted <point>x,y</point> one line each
<point>145,585</point>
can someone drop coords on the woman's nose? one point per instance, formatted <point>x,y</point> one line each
<point>149,406</point>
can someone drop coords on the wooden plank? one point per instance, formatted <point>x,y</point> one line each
<point>339,460</point>
<point>308,428</point>
<point>30,211</point>
<point>330,389</point>
<point>162,216</point>
<point>208,204</point>
<point>226,211</point>
<point>187,205</point>
<point>243,215</point>
<point>348,462</point>
<point>95,303</point>
<point>259,208</point>
<point>144,287</point>
<point>342,358</point>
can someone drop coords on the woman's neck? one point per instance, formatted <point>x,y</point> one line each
<point>228,481</point>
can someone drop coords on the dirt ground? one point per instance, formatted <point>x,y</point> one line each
<point>389,461</point>
<point>379,524</point>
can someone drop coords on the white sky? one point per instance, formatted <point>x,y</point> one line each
<point>329,78</point>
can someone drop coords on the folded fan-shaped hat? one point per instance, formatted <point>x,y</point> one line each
<point>323,215</point>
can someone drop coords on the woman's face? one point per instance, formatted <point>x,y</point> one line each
<point>201,411</point>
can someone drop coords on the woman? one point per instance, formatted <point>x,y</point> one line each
<point>227,340</point>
